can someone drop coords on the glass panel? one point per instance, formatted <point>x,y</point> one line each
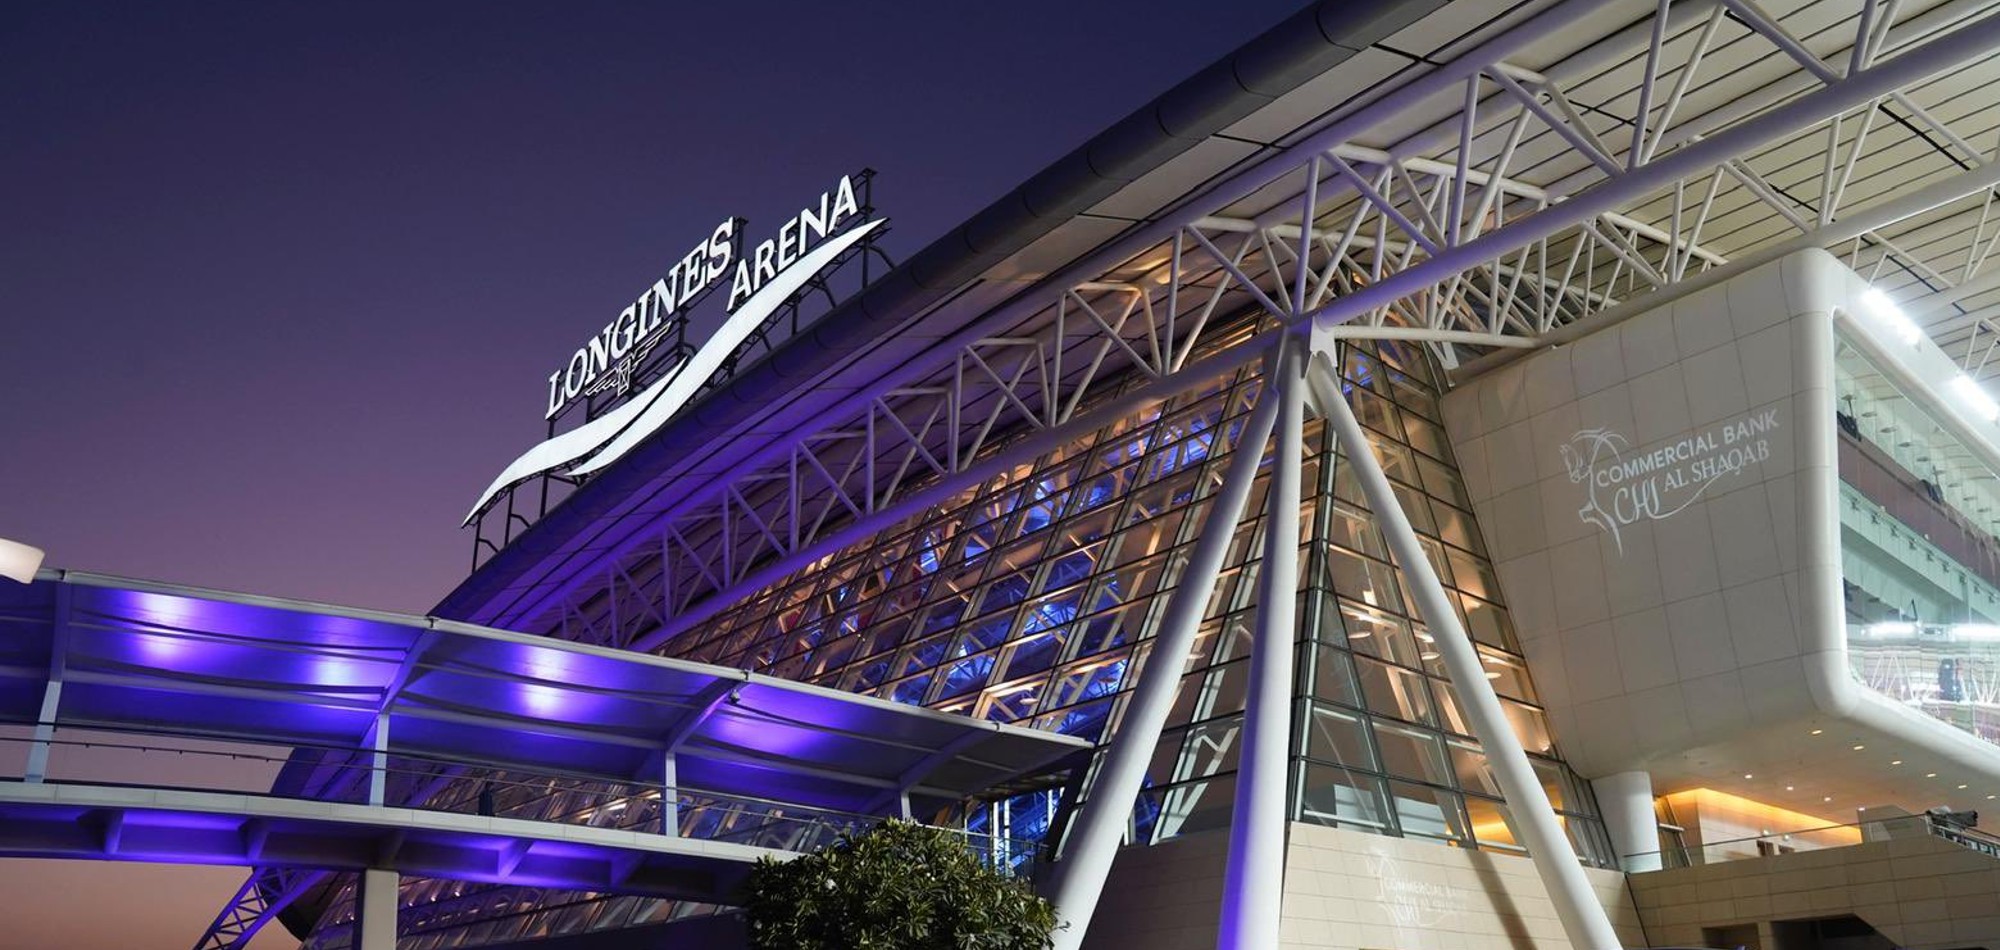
<point>1551,776</point>
<point>1530,726</point>
<point>1378,633</point>
<point>1411,753</point>
<point>1369,581</point>
<point>1428,812</point>
<point>1196,806</point>
<point>1211,749</point>
<point>1378,414</point>
<point>1508,676</point>
<point>1330,795</point>
<point>1488,623</point>
<point>1449,711</point>
<point>1335,735</point>
<point>1470,574</point>
<point>1489,824</point>
<point>1393,691</point>
<point>1441,481</point>
<point>1474,773</point>
<point>1333,677</point>
<point>1355,530</point>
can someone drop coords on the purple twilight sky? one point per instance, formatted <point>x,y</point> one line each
<point>280,283</point>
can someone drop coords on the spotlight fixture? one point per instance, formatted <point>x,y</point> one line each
<point>19,561</point>
<point>1886,311</point>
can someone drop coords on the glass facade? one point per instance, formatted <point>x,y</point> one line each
<point>1031,599</point>
<point>1920,553</point>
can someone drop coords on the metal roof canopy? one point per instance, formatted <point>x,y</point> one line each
<point>168,659</point>
<point>1483,175</point>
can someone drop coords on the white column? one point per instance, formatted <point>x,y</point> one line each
<point>378,762</point>
<point>37,769</point>
<point>1626,800</point>
<point>375,902</point>
<point>1254,882</point>
<point>1100,824</point>
<point>1583,918</point>
<point>670,801</point>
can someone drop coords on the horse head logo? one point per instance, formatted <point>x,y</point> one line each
<point>1581,456</point>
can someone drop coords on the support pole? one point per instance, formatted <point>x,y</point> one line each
<point>37,769</point>
<point>1100,824</point>
<point>1534,820</point>
<point>1626,799</point>
<point>378,762</point>
<point>1254,883</point>
<point>670,800</point>
<point>375,905</point>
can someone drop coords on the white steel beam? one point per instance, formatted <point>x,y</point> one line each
<point>1100,824</point>
<point>1254,879</point>
<point>1532,817</point>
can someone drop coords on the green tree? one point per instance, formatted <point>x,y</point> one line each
<point>898,886</point>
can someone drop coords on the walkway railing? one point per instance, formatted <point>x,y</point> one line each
<point>448,785</point>
<point>1814,839</point>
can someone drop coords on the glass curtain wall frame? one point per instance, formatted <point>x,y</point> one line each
<point>1920,552</point>
<point>1031,599</point>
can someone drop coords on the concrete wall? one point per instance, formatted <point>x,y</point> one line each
<point>1921,892</point>
<point>1348,890</point>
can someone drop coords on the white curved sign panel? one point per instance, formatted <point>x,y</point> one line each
<point>757,293</point>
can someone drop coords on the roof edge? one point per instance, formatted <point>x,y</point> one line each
<point>1275,62</point>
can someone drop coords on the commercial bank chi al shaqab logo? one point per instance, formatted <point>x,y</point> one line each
<point>1623,488</point>
<point>778,268</point>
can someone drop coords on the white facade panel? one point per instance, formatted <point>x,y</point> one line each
<point>1661,500</point>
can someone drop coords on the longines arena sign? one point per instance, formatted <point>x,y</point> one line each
<point>759,283</point>
<point>1623,489</point>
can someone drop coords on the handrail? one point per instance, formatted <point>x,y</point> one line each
<point>1692,855</point>
<point>632,804</point>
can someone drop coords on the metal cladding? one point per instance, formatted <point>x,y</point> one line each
<point>161,659</point>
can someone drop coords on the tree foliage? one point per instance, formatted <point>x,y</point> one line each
<point>898,886</point>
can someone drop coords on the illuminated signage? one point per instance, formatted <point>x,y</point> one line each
<point>760,282</point>
<point>608,358</point>
<point>1623,488</point>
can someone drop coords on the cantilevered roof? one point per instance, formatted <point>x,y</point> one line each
<point>1480,174</point>
<point>174,660</point>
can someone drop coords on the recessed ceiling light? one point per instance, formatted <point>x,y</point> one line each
<point>1989,798</point>
<point>1895,761</point>
<point>1818,731</point>
<point>1748,776</point>
<point>1827,799</point>
<point>1788,788</point>
<point>1859,748</point>
<point>1930,775</point>
<point>1961,786</point>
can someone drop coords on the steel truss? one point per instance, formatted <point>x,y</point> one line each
<point>1699,140</point>
<point>264,894</point>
